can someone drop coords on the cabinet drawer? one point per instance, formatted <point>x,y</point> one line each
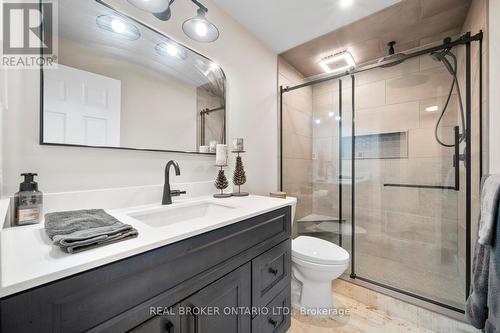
<point>276,317</point>
<point>271,272</point>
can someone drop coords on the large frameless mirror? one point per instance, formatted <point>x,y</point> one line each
<point>122,84</point>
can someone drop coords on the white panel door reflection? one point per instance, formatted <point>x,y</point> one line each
<point>81,108</point>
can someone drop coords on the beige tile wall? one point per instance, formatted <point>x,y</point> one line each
<point>297,139</point>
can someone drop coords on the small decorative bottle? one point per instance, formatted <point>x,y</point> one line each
<point>28,202</point>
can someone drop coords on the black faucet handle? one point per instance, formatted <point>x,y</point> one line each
<point>176,193</point>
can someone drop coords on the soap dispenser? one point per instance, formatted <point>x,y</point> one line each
<point>28,201</point>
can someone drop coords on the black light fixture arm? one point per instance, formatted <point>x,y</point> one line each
<point>200,6</point>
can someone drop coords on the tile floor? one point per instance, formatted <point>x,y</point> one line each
<point>371,312</point>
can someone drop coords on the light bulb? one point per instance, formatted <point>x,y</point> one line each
<point>331,114</point>
<point>172,50</point>
<point>118,26</point>
<point>201,29</point>
<point>346,3</point>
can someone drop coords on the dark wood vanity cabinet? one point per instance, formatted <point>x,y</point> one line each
<point>233,279</point>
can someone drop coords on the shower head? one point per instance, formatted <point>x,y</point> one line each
<point>441,57</point>
<point>392,58</point>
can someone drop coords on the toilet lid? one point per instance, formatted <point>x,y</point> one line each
<point>318,251</point>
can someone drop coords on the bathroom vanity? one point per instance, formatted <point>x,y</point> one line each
<point>231,277</point>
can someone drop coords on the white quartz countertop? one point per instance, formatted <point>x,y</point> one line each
<point>28,258</point>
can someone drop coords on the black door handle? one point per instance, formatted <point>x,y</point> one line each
<point>273,271</point>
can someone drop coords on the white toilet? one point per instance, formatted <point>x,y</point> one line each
<point>315,263</point>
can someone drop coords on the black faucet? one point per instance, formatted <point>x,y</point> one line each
<point>167,193</point>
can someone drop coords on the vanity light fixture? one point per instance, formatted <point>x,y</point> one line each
<point>159,8</point>
<point>151,6</point>
<point>118,26</point>
<point>197,28</point>
<point>338,62</point>
<point>171,49</point>
<point>433,108</point>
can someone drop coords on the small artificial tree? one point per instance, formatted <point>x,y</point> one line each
<point>239,176</point>
<point>221,183</point>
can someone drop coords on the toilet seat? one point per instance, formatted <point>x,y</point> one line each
<point>318,251</point>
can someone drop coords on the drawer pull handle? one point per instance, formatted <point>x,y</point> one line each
<point>273,322</point>
<point>169,328</point>
<point>273,271</point>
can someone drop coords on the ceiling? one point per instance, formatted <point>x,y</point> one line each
<point>283,24</point>
<point>411,23</point>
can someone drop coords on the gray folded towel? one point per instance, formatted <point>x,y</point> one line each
<point>80,230</point>
<point>490,198</point>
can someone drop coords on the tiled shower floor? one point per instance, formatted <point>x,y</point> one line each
<point>448,289</point>
<point>372,312</point>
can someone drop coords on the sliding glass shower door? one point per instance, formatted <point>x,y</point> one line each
<point>410,207</point>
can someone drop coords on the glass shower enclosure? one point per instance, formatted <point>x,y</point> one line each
<point>380,170</point>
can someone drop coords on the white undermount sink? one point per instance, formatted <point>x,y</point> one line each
<point>164,216</point>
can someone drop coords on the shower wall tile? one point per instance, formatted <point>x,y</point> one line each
<point>328,127</point>
<point>422,229</point>
<point>325,199</point>
<point>388,118</point>
<point>298,100</point>
<point>326,152</point>
<point>368,196</point>
<point>439,203</point>
<point>423,144</point>
<point>371,95</point>
<point>325,87</point>
<point>427,257</point>
<point>296,171</point>
<point>370,220</point>
<point>378,74</point>
<point>401,199</point>
<point>296,121</point>
<point>297,140</point>
<point>426,171</point>
<point>451,117</point>
<point>296,146</point>
<point>418,86</point>
<point>324,100</point>
<point>427,62</point>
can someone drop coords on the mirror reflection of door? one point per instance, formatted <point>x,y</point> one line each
<point>81,108</point>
